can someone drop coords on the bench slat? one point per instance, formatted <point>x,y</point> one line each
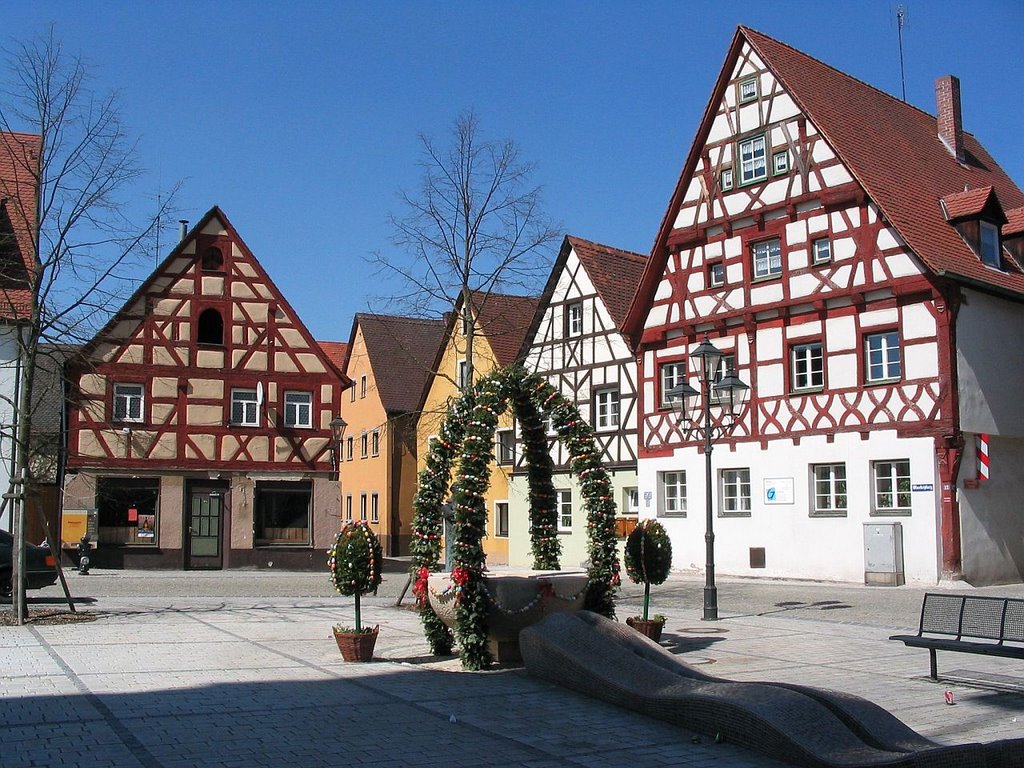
<point>941,614</point>
<point>982,618</point>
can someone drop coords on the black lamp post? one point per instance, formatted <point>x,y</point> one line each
<point>338,426</point>
<point>730,395</point>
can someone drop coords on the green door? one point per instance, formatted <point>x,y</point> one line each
<point>205,527</point>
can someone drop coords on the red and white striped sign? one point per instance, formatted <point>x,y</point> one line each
<point>983,460</point>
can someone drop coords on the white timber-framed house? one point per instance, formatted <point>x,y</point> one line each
<point>577,344</point>
<point>858,261</point>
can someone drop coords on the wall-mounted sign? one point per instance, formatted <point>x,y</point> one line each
<point>647,498</point>
<point>778,490</point>
<point>921,487</point>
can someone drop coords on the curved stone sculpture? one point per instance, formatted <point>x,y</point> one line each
<point>797,724</point>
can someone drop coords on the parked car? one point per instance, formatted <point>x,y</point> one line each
<point>39,566</point>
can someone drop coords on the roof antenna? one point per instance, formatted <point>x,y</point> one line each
<point>901,19</point>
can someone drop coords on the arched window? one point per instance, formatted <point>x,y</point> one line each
<point>213,260</point>
<point>211,327</point>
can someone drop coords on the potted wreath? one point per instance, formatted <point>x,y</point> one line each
<point>648,561</point>
<point>355,563</point>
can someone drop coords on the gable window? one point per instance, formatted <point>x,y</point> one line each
<point>821,251</point>
<point>282,512</point>
<point>891,492</point>
<point>606,408</point>
<point>989,235</point>
<point>501,519</point>
<point>375,443</point>
<point>574,319</point>
<point>672,375</point>
<point>564,511</point>
<point>128,402</point>
<point>352,393</point>
<point>506,446</point>
<point>883,356</point>
<point>298,409</point>
<point>767,258</point>
<point>716,274</point>
<point>210,327</point>
<point>734,488</point>
<point>748,90</point>
<point>753,160</point>
<point>808,366</point>
<point>466,322</point>
<point>672,494</point>
<point>350,446</point>
<point>780,163</point>
<point>244,409</point>
<point>828,490</point>
<point>362,386</point>
<point>213,260</point>
<point>727,179</point>
<point>462,375</point>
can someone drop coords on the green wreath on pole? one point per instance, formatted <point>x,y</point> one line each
<point>467,433</point>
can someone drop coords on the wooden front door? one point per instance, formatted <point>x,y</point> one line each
<point>204,531</point>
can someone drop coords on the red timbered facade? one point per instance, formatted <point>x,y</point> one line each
<point>200,426</point>
<point>826,237</point>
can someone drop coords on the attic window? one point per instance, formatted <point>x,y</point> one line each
<point>727,179</point>
<point>213,260</point>
<point>780,163</point>
<point>211,327</point>
<point>748,90</point>
<point>989,240</point>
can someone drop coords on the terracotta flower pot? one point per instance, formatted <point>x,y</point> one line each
<point>648,627</point>
<point>356,646</point>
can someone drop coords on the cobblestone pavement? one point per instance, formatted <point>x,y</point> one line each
<point>240,669</point>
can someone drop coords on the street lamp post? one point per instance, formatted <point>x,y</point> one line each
<point>337,435</point>
<point>730,393</point>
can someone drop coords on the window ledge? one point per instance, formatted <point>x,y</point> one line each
<point>828,514</point>
<point>883,382</point>
<point>766,278</point>
<point>890,513</point>
<point>806,391</point>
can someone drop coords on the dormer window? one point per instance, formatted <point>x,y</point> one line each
<point>989,242</point>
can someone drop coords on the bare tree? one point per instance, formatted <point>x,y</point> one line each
<point>72,165</point>
<point>475,225</point>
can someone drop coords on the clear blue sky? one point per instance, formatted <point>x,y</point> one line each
<point>300,119</point>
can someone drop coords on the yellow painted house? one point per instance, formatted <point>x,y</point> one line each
<point>389,361</point>
<point>499,325</point>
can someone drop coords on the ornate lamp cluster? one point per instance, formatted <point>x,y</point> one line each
<point>469,430</point>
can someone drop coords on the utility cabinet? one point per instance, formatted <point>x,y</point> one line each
<point>883,554</point>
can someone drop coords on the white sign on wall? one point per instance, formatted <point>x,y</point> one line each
<point>778,490</point>
<point>647,498</point>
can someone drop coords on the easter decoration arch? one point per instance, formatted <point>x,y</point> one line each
<point>467,435</point>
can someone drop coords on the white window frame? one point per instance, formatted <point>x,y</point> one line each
<point>631,500</point>
<point>888,477</point>
<point>362,506</point>
<point>716,274</point>
<point>734,492</point>
<point>563,500</point>
<point>726,179</point>
<point>129,403</point>
<point>374,508</point>
<point>606,408</point>
<point>362,386</point>
<point>375,443</point>
<point>821,250</point>
<point>670,375</point>
<point>351,441</point>
<point>753,159</point>
<point>988,247</point>
<point>574,319</point>
<point>829,490</point>
<point>808,366</point>
<point>501,519</point>
<point>726,363</point>
<point>461,373</point>
<point>348,506</point>
<point>780,163</point>
<point>672,494</point>
<point>364,446</point>
<point>889,365</point>
<point>747,90</point>
<point>245,411</point>
<point>298,409</point>
<point>766,257</point>
<point>505,445</point>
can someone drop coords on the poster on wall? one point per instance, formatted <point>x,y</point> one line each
<point>147,526</point>
<point>778,490</point>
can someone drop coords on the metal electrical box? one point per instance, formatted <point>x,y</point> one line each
<point>883,554</point>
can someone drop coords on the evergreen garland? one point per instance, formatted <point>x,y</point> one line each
<point>470,429</point>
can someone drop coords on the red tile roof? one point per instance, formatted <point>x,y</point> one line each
<point>970,202</point>
<point>19,167</point>
<point>1014,222</point>
<point>614,272</point>
<point>336,352</point>
<point>894,151</point>
<point>401,351</point>
<point>505,321</point>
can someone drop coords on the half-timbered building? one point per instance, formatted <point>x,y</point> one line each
<point>389,362</point>
<point>498,324</point>
<point>200,429</point>
<point>858,262</point>
<point>576,342</point>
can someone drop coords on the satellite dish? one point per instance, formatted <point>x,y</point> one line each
<point>259,395</point>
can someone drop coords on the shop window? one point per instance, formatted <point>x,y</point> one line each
<point>127,510</point>
<point>282,512</point>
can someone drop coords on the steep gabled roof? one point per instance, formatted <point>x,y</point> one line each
<point>336,351</point>
<point>401,352</point>
<point>19,167</point>
<point>971,203</point>
<point>890,147</point>
<point>614,272</point>
<point>505,321</point>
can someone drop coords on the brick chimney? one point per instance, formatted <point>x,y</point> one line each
<point>947,101</point>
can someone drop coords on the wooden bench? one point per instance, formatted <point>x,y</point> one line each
<point>992,626</point>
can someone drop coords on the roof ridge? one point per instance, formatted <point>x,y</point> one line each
<point>407,318</point>
<point>622,251</point>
